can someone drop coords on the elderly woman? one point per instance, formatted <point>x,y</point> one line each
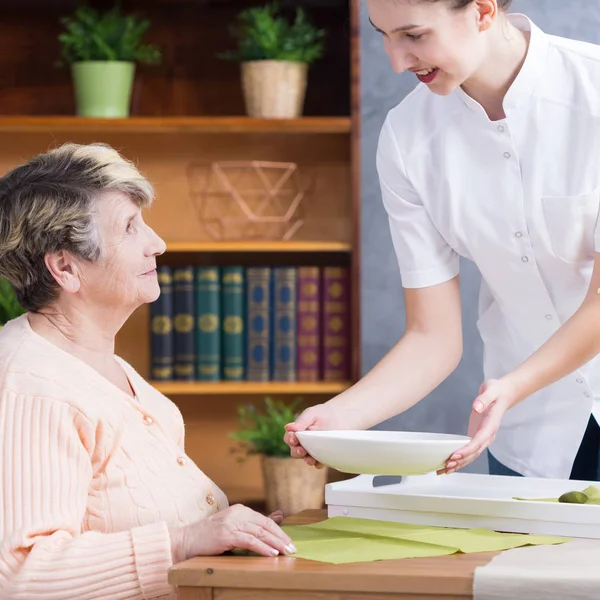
<point>97,496</point>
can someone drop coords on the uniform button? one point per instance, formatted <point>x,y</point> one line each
<point>181,461</point>
<point>501,128</point>
<point>549,317</point>
<point>586,394</point>
<point>580,381</point>
<point>525,259</point>
<point>148,420</point>
<point>518,234</point>
<point>210,499</point>
<point>507,155</point>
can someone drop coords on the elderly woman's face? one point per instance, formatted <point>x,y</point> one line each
<point>125,275</point>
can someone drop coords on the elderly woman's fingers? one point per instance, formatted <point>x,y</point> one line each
<point>265,536</point>
<point>247,541</point>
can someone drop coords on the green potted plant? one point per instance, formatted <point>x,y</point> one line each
<point>290,484</point>
<point>275,54</point>
<point>102,50</point>
<point>9,306</point>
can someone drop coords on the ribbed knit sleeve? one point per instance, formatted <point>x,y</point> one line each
<point>45,475</point>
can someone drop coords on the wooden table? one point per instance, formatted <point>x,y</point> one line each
<point>285,578</point>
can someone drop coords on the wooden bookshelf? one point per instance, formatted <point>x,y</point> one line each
<point>250,388</point>
<point>190,110</point>
<point>259,246</point>
<point>181,125</point>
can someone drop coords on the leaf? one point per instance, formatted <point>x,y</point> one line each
<point>261,432</point>
<point>90,35</point>
<point>263,34</point>
<point>9,305</point>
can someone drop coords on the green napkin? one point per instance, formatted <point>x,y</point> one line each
<point>591,495</point>
<point>342,540</point>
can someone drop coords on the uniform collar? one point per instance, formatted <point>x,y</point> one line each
<point>527,80</point>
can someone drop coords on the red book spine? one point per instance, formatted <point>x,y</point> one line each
<point>309,325</point>
<point>336,323</point>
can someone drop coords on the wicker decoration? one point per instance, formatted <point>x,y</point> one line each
<point>248,199</point>
<point>274,89</point>
<point>291,485</point>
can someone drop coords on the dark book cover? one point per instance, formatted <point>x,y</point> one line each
<point>232,324</point>
<point>283,355</point>
<point>183,323</point>
<point>309,323</point>
<point>336,323</point>
<point>258,326</point>
<point>208,324</point>
<point>161,328</point>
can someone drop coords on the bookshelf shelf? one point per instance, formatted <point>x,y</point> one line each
<point>188,124</point>
<point>258,246</point>
<point>193,388</point>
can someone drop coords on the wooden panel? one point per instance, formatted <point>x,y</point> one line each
<point>355,169</point>
<point>165,160</point>
<point>259,246</point>
<point>228,388</point>
<point>191,80</point>
<point>195,594</point>
<point>181,125</point>
<point>252,594</point>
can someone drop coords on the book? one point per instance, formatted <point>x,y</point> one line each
<point>283,355</point>
<point>183,323</point>
<point>161,328</point>
<point>335,324</point>
<point>208,324</point>
<point>232,324</point>
<point>309,324</point>
<point>258,325</point>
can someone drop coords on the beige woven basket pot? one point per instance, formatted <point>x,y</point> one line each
<point>274,89</point>
<point>291,485</point>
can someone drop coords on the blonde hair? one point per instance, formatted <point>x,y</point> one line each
<point>47,205</point>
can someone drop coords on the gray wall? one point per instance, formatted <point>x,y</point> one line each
<point>383,311</point>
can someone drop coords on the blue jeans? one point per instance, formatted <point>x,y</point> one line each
<point>586,466</point>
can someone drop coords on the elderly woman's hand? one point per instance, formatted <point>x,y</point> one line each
<point>234,527</point>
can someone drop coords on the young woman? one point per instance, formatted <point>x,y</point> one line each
<point>495,157</point>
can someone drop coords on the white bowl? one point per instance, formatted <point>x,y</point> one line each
<point>381,452</point>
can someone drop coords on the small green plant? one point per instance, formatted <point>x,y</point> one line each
<point>112,35</point>
<point>262,33</point>
<point>262,431</point>
<point>9,306</point>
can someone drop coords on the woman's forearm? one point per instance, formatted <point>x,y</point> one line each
<point>417,364</point>
<point>573,345</point>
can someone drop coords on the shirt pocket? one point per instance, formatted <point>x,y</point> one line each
<point>571,221</point>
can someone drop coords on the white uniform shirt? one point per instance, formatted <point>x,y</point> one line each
<point>520,198</point>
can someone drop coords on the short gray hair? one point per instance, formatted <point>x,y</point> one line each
<point>47,205</point>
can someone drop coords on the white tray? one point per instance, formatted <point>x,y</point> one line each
<point>468,501</point>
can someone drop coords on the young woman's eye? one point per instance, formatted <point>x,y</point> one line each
<point>414,36</point>
<point>129,228</point>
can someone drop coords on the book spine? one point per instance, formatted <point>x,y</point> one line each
<point>336,324</point>
<point>309,323</point>
<point>161,328</point>
<point>232,329</point>
<point>208,324</point>
<point>258,282</point>
<point>283,358</point>
<point>183,321</point>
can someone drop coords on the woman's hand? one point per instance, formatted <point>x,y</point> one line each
<point>495,397</point>
<point>234,527</point>
<point>319,417</point>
